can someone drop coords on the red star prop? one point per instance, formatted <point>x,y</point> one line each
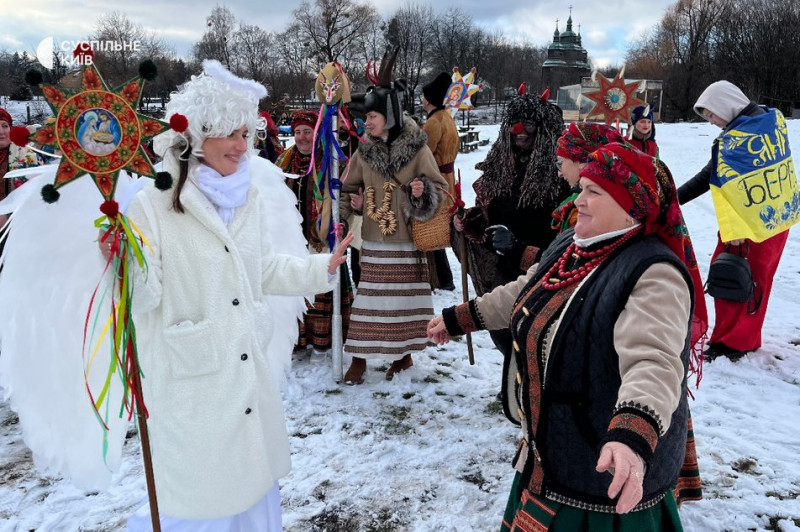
<point>614,99</point>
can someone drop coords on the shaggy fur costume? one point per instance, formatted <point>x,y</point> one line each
<point>541,185</point>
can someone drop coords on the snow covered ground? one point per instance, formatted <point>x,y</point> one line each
<point>431,449</point>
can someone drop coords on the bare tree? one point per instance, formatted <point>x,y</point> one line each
<point>216,41</point>
<point>411,29</point>
<point>453,30</point>
<point>118,62</point>
<point>758,48</point>
<point>684,41</point>
<point>252,47</point>
<point>332,29</point>
<point>293,74</point>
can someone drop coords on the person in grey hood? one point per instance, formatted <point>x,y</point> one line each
<point>737,328</point>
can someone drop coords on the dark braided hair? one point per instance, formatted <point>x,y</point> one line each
<point>541,185</point>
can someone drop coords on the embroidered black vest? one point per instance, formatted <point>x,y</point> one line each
<point>582,381</point>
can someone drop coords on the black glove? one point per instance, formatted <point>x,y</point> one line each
<point>502,240</point>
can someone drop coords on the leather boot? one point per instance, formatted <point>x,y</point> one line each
<point>398,366</point>
<point>355,373</point>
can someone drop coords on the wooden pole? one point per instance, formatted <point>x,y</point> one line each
<point>465,292</point>
<point>144,437</point>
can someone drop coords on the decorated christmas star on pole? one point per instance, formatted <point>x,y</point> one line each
<point>614,100</point>
<point>461,90</point>
<point>100,134</point>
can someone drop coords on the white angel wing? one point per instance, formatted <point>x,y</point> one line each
<point>286,236</point>
<point>50,269</point>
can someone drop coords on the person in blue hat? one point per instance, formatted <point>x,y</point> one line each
<point>643,130</point>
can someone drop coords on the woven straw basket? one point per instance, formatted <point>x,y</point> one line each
<point>435,233</point>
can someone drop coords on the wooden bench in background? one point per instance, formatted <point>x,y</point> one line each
<point>468,140</point>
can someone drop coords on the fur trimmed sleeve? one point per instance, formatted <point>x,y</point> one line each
<point>354,181</point>
<point>424,207</point>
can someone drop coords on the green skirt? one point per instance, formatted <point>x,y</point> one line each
<point>533,513</point>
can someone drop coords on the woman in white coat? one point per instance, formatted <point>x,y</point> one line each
<point>202,309</point>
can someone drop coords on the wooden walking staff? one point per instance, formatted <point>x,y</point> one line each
<point>459,211</point>
<point>465,292</point>
<point>333,89</point>
<point>147,457</point>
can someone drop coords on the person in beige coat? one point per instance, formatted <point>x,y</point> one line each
<point>603,337</point>
<point>443,141</point>
<point>393,178</point>
<point>210,330</point>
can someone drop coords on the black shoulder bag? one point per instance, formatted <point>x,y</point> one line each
<point>730,278</point>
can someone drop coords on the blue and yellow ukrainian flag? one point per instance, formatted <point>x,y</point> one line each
<point>754,187</point>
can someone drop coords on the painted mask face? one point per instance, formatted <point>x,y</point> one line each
<point>524,134</point>
<point>332,85</point>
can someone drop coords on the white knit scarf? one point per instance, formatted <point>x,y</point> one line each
<point>225,193</point>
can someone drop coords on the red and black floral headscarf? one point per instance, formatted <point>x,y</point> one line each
<point>579,140</point>
<point>644,188</point>
<point>304,118</point>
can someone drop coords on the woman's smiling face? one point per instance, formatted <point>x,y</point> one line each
<point>598,212</point>
<point>224,153</point>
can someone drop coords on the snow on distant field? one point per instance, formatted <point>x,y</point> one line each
<point>431,450</point>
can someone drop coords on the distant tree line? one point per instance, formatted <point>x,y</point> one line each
<point>752,43</point>
<point>287,62</point>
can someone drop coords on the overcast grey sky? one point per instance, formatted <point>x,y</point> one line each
<point>606,28</point>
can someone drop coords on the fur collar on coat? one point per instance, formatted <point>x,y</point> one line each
<point>388,158</point>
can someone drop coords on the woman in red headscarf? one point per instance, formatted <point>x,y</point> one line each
<point>605,328</point>
<point>315,331</point>
<point>573,153</point>
<point>12,157</point>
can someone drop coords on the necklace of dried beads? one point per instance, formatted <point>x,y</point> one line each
<point>558,276</point>
<point>383,215</point>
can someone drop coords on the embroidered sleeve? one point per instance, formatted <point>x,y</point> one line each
<point>636,428</point>
<point>462,319</point>
<point>529,257</point>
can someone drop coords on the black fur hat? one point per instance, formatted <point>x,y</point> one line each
<point>386,96</point>
<point>436,90</point>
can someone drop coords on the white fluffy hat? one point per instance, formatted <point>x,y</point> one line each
<point>215,103</point>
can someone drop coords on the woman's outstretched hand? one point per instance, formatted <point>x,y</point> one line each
<point>437,331</point>
<point>339,256</point>
<point>628,471</point>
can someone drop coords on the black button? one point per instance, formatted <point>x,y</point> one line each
<point>244,356</point>
<point>235,302</point>
<point>247,411</point>
<point>226,249</point>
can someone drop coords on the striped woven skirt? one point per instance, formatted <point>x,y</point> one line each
<point>393,303</point>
